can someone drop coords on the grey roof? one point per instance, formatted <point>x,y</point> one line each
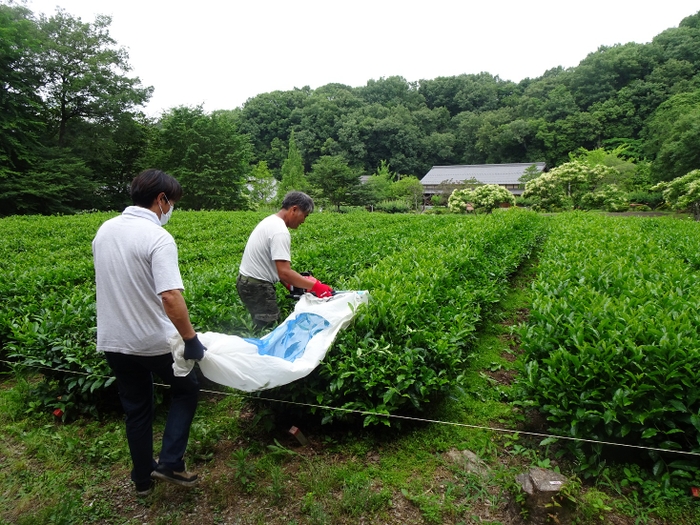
<point>485,173</point>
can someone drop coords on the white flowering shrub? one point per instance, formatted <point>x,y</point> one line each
<point>564,187</point>
<point>683,193</point>
<point>608,197</point>
<point>483,198</point>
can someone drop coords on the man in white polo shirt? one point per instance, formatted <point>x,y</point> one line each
<point>267,259</point>
<point>139,307</point>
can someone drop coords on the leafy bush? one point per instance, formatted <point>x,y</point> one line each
<point>651,199</point>
<point>47,318</point>
<point>565,186</point>
<point>483,198</point>
<point>394,206</point>
<point>430,278</point>
<point>608,197</point>
<point>683,193</point>
<point>432,281</point>
<point>522,202</point>
<point>613,340</point>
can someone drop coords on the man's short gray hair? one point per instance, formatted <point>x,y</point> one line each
<point>299,199</point>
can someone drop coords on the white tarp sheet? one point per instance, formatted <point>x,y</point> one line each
<point>290,352</point>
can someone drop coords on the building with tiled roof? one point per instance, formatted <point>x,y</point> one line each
<point>439,178</point>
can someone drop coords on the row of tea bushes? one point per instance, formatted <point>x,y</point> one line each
<point>47,306</point>
<point>429,276</point>
<point>430,287</point>
<point>613,340</point>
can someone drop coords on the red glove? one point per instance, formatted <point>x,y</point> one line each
<point>321,290</point>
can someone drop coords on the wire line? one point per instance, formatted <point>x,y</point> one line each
<point>397,416</point>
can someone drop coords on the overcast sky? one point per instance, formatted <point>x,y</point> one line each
<point>220,53</point>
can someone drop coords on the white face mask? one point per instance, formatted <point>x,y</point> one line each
<point>165,217</point>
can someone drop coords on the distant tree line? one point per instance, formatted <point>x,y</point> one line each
<point>73,134</point>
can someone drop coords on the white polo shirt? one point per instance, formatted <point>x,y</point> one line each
<point>135,261</point>
<point>270,241</point>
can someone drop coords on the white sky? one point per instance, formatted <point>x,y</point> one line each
<point>219,53</point>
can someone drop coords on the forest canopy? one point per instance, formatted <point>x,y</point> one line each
<point>73,132</point>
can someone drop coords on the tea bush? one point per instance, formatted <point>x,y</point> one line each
<point>430,278</point>
<point>613,339</point>
<point>47,317</point>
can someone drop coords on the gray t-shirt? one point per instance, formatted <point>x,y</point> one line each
<point>270,241</point>
<point>135,261</point>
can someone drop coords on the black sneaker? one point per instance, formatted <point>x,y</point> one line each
<point>184,478</point>
<point>146,489</point>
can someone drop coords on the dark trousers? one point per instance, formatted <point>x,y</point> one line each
<point>135,382</point>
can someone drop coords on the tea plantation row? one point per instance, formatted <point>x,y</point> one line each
<point>430,279</point>
<point>612,344</point>
<point>613,339</point>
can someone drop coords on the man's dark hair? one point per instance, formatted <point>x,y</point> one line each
<point>299,199</point>
<point>148,184</point>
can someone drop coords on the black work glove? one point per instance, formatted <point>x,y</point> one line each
<point>194,349</point>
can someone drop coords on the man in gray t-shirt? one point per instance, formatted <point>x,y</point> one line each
<point>267,259</point>
<point>139,307</point>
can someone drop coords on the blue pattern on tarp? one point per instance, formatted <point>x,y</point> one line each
<point>288,341</point>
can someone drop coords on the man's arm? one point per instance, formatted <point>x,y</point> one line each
<point>290,277</point>
<point>176,310</point>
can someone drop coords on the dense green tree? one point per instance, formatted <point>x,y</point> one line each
<point>335,181</point>
<point>20,128</point>
<point>480,92</point>
<point>262,186</point>
<point>437,149</point>
<point>488,136</point>
<point>409,189</point>
<point>57,182</point>
<point>207,154</point>
<point>19,85</point>
<point>681,43</point>
<point>320,117</point>
<point>113,154</point>
<point>602,73</point>
<point>672,136</point>
<point>515,141</point>
<point>393,91</point>
<point>467,126</point>
<point>670,77</point>
<point>548,98</point>
<point>659,127</point>
<point>293,176</point>
<point>680,152</point>
<point>441,92</point>
<point>84,73</point>
<point>377,133</point>
<point>64,86</point>
<point>271,116</point>
<point>561,137</point>
<point>378,186</point>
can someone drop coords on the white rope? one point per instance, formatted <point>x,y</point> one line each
<point>406,418</point>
